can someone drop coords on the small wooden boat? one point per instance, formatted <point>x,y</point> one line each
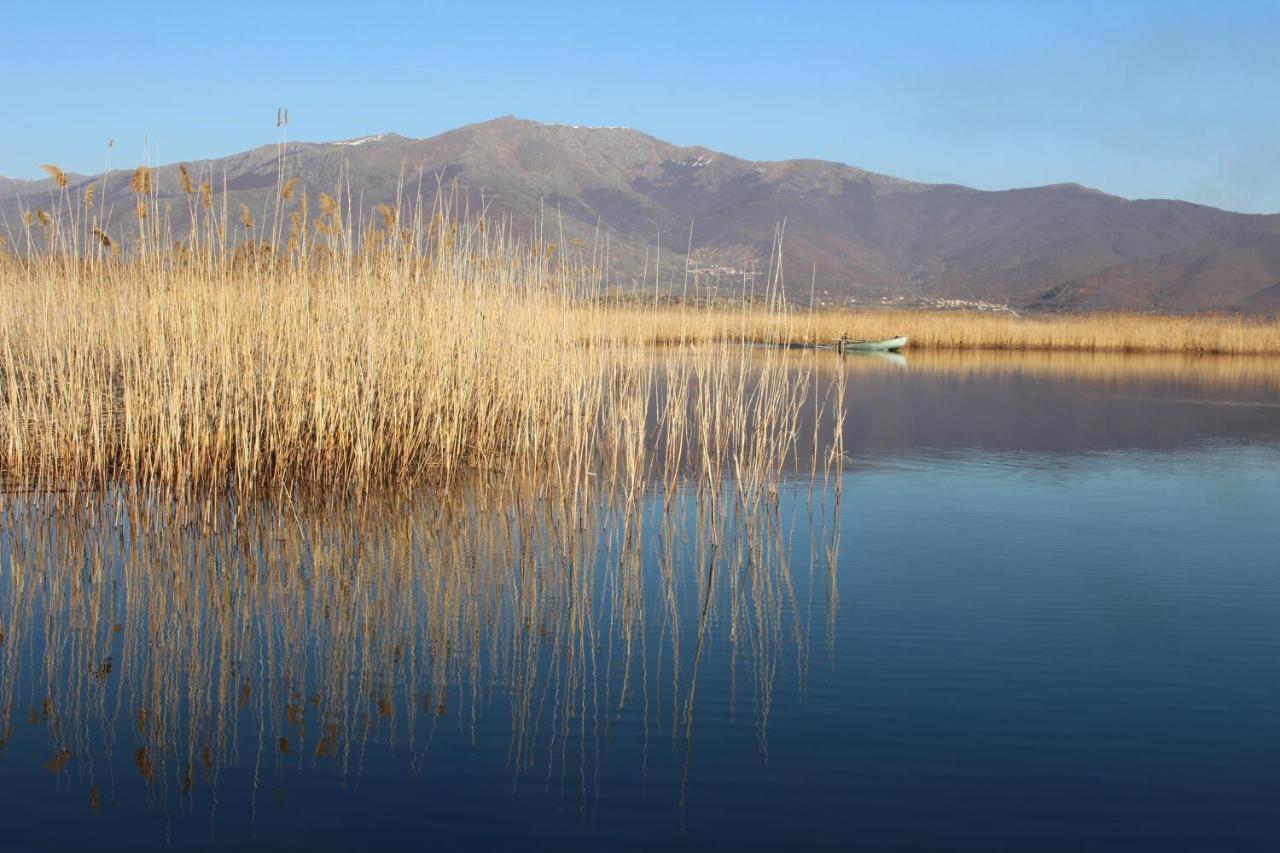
<point>886,345</point>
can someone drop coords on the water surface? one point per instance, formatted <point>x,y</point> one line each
<point>1036,606</point>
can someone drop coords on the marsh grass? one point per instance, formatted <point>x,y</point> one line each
<point>328,346</point>
<point>394,347</point>
<point>957,330</point>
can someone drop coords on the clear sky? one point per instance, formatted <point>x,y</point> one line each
<point>1144,99</point>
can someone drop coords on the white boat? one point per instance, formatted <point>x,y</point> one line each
<point>886,345</point>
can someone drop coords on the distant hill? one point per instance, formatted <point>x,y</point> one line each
<point>863,235</point>
<point>10,186</point>
<point>1239,269</point>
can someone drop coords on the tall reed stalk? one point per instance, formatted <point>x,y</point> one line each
<point>409,345</point>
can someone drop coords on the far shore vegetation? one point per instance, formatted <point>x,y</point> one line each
<point>1216,334</point>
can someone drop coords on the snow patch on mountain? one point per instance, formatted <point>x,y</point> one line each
<point>362,140</point>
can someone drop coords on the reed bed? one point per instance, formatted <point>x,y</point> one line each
<point>315,344</point>
<point>344,352</point>
<point>1129,333</point>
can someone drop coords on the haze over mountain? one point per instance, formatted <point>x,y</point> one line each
<point>859,234</point>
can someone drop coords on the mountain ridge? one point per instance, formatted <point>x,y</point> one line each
<point>856,234</point>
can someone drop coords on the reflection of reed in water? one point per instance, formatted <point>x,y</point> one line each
<point>293,636</point>
<point>1109,369</point>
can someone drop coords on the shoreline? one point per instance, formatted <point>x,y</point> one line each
<point>950,330</point>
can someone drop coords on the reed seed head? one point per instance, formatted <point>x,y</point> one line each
<point>388,214</point>
<point>142,182</point>
<point>59,177</point>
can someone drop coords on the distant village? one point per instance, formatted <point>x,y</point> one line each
<point>702,268</point>
<point>931,303</point>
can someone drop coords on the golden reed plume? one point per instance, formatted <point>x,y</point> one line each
<point>59,177</point>
<point>142,182</point>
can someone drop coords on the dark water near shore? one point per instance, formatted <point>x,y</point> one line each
<point>1039,608</point>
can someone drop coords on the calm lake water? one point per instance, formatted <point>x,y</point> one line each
<point>1037,607</point>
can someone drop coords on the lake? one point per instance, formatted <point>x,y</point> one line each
<point>1013,601</point>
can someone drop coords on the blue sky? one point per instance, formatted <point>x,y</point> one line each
<point>1170,99</point>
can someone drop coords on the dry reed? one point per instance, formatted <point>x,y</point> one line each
<point>392,348</point>
<point>1137,333</point>
<point>402,344</point>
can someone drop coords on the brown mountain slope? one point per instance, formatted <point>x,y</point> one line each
<point>1239,269</point>
<point>864,234</point>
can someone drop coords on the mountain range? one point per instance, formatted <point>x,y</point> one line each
<point>848,234</point>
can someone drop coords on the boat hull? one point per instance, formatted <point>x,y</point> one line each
<point>886,345</point>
